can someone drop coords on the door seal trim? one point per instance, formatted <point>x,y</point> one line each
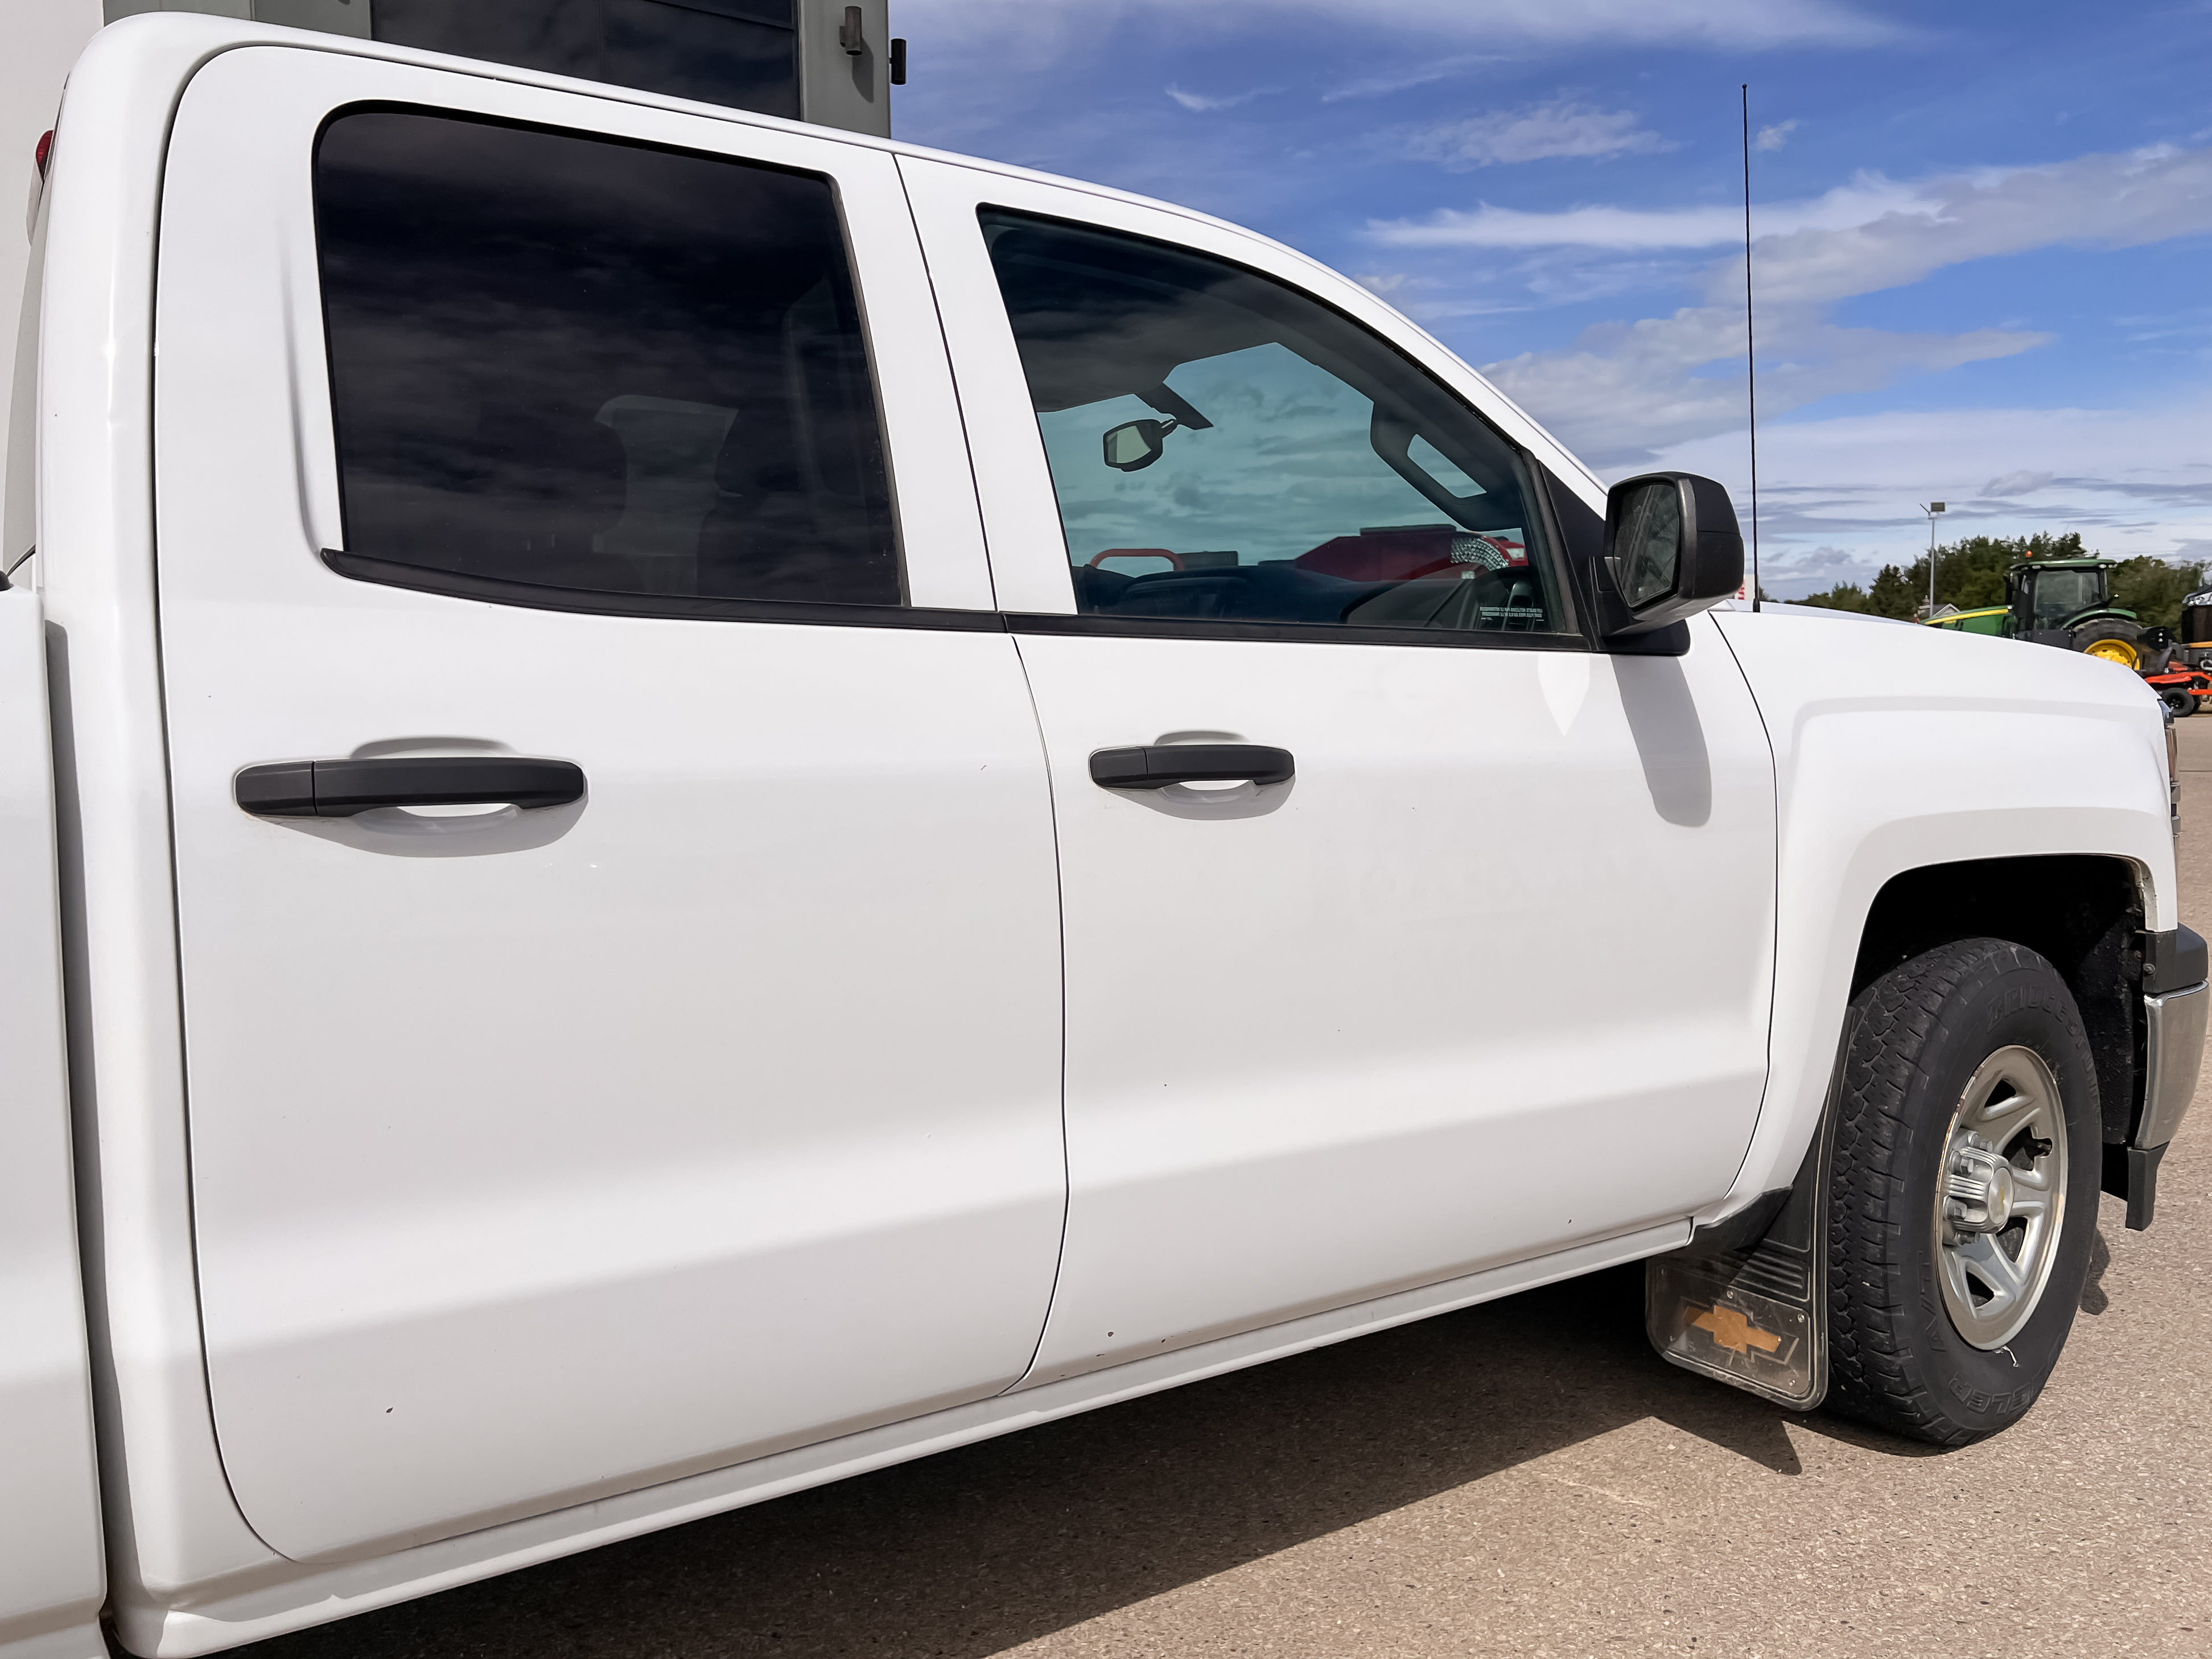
<point>538,596</point>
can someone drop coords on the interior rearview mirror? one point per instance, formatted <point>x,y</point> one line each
<point>1135,444</point>
<point>1672,548</point>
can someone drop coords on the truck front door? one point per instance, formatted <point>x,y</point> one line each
<point>1487,977</point>
<point>541,1152</point>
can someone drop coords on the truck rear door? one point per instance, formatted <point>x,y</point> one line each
<point>542,1150</point>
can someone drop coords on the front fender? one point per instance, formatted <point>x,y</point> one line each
<point>1899,748</point>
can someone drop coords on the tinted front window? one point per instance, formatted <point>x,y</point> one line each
<point>1223,446</point>
<point>580,365</point>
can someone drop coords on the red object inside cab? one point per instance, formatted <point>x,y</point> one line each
<point>1396,554</point>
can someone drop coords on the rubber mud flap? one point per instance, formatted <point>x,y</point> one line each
<point>1754,1317</point>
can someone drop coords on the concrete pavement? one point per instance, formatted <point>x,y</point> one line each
<point>1520,1478</point>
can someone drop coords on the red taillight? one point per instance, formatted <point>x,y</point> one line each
<point>44,152</point>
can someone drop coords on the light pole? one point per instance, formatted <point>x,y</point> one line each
<point>1931,509</point>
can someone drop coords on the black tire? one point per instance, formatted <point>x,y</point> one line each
<point>2123,641</point>
<point>2180,702</point>
<point>1919,1035</point>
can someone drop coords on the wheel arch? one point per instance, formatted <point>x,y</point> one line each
<point>2082,913</point>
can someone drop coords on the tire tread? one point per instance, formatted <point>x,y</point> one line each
<point>1871,1299</point>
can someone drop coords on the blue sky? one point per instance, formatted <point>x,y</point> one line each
<point>1982,234</point>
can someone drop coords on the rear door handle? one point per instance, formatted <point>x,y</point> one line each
<point>340,788</point>
<point>1155,766</point>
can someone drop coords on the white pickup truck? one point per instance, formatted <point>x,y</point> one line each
<point>689,804</point>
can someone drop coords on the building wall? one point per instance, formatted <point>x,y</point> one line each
<point>38,41</point>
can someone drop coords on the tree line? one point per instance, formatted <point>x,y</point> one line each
<point>1971,574</point>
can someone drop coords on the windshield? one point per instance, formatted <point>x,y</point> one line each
<point>2061,593</point>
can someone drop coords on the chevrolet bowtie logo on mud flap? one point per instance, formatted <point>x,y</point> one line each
<point>1733,1331</point>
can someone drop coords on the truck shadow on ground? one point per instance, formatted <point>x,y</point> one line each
<point>972,1551</point>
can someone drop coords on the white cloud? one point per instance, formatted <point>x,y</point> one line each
<point>1421,75</point>
<point>1381,282</point>
<point>2097,201</point>
<point>1198,100</point>
<point>1624,229</point>
<point>1838,498</point>
<point>1024,33</point>
<point>1793,572</point>
<point>2016,484</point>
<point>1553,130</point>
<point>1775,136</point>
<point>1873,233</point>
<point>1623,390</point>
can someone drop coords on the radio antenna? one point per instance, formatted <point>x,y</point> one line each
<point>1750,358</point>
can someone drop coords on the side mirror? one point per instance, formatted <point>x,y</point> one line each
<point>1135,444</point>
<point>1672,548</point>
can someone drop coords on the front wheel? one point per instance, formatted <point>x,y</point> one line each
<point>2180,701</point>
<point>1963,1192</point>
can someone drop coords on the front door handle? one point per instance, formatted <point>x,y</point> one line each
<point>1155,766</point>
<point>340,788</point>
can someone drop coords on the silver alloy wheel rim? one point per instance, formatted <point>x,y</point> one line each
<point>2000,1198</point>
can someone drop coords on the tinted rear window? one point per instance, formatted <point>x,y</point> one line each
<point>581,365</point>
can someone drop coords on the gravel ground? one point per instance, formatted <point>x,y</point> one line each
<point>1523,1478</point>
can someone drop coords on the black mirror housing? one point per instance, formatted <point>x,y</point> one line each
<point>1135,444</point>
<point>1672,549</point>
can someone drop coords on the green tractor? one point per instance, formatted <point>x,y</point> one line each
<point>2066,602</point>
